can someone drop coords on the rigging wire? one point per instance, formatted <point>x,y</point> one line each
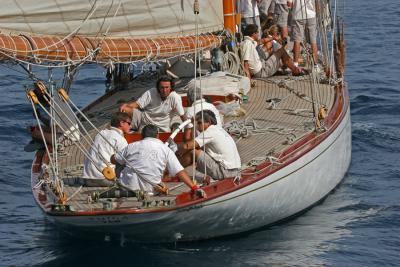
<point>333,34</point>
<point>42,134</point>
<point>74,132</point>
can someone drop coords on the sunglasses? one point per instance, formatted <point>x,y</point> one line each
<point>128,122</point>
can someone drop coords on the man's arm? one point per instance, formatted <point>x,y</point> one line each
<point>187,134</point>
<point>187,146</point>
<point>247,68</point>
<point>112,159</point>
<point>129,107</point>
<point>190,145</point>
<point>184,177</point>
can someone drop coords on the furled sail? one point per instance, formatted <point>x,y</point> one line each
<point>105,30</point>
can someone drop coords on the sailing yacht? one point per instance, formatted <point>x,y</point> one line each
<point>293,133</point>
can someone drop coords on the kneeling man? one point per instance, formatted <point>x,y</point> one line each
<point>220,158</point>
<point>149,158</point>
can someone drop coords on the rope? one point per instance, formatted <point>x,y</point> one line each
<point>333,33</point>
<point>42,134</point>
<point>196,10</point>
<point>53,126</point>
<point>231,63</point>
<point>85,136</point>
<point>80,146</point>
<point>244,129</point>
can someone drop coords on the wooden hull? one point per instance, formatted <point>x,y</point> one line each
<point>317,166</point>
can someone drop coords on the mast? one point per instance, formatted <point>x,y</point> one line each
<point>231,17</point>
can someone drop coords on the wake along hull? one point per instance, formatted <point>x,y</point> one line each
<point>291,189</point>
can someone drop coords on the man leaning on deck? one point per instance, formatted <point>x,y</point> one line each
<point>267,65</point>
<point>156,106</point>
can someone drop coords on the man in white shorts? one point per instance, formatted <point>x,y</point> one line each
<point>258,67</point>
<point>105,144</point>
<point>281,17</point>
<point>220,158</point>
<point>149,157</point>
<point>303,17</point>
<point>250,13</point>
<point>156,106</point>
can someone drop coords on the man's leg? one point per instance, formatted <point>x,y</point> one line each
<point>207,165</point>
<point>136,119</point>
<point>282,12</point>
<point>287,61</point>
<point>296,51</point>
<point>312,30</point>
<point>297,37</point>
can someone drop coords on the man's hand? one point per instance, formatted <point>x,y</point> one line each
<point>124,107</point>
<point>206,180</point>
<point>199,192</point>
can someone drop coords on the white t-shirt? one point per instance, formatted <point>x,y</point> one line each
<point>157,111</point>
<point>149,157</point>
<point>220,146</point>
<point>303,9</point>
<point>206,106</point>
<point>249,8</point>
<point>101,150</point>
<point>249,53</point>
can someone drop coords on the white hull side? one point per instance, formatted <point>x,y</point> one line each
<point>286,192</point>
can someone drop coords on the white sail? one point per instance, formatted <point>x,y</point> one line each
<point>113,18</point>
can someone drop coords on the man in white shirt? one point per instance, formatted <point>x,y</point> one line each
<point>197,103</point>
<point>158,105</point>
<point>220,158</point>
<point>105,144</point>
<point>303,16</point>
<point>149,158</point>
<point>258,67</point>
<point>250,13</point>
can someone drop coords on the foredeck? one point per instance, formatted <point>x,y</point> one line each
<point>279,112</point>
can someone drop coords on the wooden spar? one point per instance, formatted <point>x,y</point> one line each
<point>230,16</point>
<point>52,48</point>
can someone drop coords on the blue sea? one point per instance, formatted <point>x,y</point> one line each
<point>358,224</point>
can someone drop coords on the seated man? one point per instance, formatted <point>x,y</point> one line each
<point>220,159</point>
<point>197,103</point>
<point>258,67</point>
<point>102,150</point>
<point>157,104</point>
<point>149,158</point>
